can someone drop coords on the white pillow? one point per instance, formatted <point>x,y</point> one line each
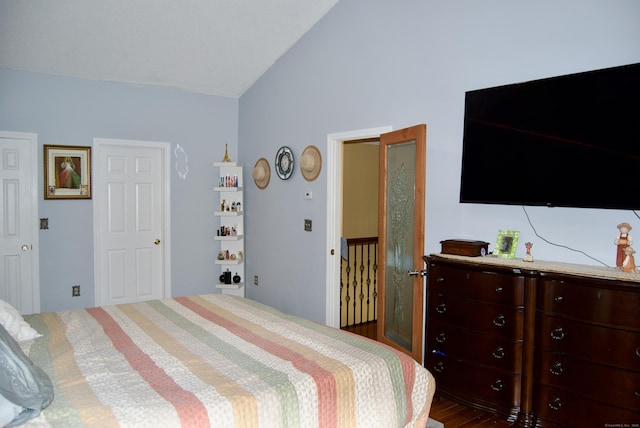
<point>8,411</point>
<point>13,322</point>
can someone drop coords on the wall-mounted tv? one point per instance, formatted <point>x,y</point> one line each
<point>567,141</point>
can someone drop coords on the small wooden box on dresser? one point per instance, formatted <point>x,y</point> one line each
<point>544,344</point>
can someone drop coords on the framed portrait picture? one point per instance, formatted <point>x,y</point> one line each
<point>507,244</point>
<point>67,172</point>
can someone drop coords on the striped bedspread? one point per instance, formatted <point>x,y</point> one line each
<point>220,361</point>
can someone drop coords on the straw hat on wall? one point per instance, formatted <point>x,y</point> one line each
<point>261,173</point>
<point>310,163</point>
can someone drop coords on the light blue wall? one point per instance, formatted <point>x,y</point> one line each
<point>378,62</point>
<point>68,111</point>
<point>366,64</point>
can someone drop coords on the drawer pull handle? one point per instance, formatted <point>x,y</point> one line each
<point>441,308</point>
<point>499,321</point>
<point>637,392</point>
<point>441,338</point>
<point>497,385</point>
<point>638,352</point>
<point>556,368</point>
<point>558,299</point>
<point>439,368</point>
<point>498,353</point>
<point>499,289</point>
<point>440,279</point>
<point>558,333</point>
<point>555,403</point>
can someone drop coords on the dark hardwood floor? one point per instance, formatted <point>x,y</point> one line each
<point>454,415</point>
<point>450,413</point>
<point>367,329</point>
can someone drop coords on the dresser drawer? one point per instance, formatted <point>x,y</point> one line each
<point>466,345</point>
<point>475,384</point>
<point>619,348</point>
<point>595,381</point>
<point>481,285</point>
<point>584,301</point>
<point>494,320</point>
<point>555,407</point>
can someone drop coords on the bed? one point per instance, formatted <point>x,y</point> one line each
<point>221,361</point>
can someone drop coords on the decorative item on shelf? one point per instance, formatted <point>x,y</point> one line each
<point>225,277</point>
<point>229,180</point>
<point>261,173</point>
<point>629,263</point>
<point>310,163</point>
<point>226,154</point>
<point>623,240</point>
<point>221,255</point>
<point>528,257</point>
<point>507,243</point>
<point>227,231</point>
<point>236,278</point>
<point>223,205</point>
<point>284,162</point>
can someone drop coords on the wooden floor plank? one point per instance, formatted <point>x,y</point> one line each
<point>455,415</point>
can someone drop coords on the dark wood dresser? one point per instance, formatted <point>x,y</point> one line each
<point>544,344</point>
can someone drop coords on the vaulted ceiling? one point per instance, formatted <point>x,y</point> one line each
<point>215,47</point>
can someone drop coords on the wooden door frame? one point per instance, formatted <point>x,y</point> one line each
<point>334,215</point>
<point>32,138</point>
<point>165,148</point>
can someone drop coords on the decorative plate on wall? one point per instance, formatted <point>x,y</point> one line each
<point>284,162</point>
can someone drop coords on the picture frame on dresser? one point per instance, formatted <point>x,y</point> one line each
<point>507,244</point>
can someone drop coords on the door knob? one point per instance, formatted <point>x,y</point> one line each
<point>24,247</point>
<point>417,272</point>
<point>157,241</point>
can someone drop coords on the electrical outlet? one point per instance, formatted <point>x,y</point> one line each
<point>255,279</point>
<point>75,291</point>
<point>307,225</point>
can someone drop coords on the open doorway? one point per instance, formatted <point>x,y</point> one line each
<point>359,236</point>
<point>335,179</point>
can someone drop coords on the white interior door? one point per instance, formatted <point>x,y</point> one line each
<point>130,210</point>
<point>19,278</point>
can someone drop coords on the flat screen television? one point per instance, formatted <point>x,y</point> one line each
<point>567,141</point>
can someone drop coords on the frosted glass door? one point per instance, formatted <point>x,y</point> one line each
<point>402,182</point>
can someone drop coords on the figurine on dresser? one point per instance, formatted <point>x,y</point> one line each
<point>528,257</point>
<point>629,263</point>
<point>623,240</point>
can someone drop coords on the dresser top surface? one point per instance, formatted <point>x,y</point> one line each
<point>547,266</point>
